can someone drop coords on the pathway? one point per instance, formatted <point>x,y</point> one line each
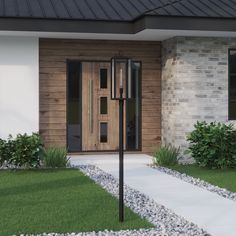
<point>208,210</point>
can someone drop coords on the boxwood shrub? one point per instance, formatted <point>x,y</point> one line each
<point>213,144</point>
<point>22,151</point>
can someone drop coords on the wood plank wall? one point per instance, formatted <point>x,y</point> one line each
<point>53,54</point>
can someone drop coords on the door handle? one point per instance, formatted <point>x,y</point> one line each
<point>91,106</point>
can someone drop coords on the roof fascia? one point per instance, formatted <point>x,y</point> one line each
<point>62,25</point>
<point>185,23</point>
<point>118,27</point>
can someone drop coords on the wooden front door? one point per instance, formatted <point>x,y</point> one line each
<point>100,114</point>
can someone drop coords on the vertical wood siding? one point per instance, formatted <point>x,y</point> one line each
<point>53,54</point>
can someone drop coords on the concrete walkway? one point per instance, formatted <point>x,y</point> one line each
<point>208,210</point>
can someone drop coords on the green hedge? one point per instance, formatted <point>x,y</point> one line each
<point>213,145</point>
<point>22,151</point>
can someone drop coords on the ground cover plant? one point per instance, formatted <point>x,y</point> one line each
<point>55,158</point>
<point>166,155</point>
<point>223,178</point>
<point>213,145</point>
<point>63,200</point>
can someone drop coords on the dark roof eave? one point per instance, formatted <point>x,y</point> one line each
<point>118,27</point>
<point>185,23</point>
<point>66,25</point>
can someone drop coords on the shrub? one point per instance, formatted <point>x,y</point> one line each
<point>23,151</point>
<point>166,155</point>
<point>213,145</point>
<point>26,150</point>
<point>55,157</point>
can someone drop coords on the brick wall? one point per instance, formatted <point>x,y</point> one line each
<point>194,84</point>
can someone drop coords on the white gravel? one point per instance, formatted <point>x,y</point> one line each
<point>166,222</point>
<point>198,182</point>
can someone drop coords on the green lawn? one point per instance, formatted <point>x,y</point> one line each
<point>222,178</point>
<point>58,201</point>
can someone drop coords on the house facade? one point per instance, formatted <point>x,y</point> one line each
<point>55,70</point>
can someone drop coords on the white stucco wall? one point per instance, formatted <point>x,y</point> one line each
<point>19,85</point>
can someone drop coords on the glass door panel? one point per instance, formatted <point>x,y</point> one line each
<point>133,126</point>
<point>74,107</point>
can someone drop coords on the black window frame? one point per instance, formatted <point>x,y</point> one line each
<point>229,85</point>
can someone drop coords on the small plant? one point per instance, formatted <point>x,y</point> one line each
<point>166,156</point>
<point>55,158</point>
<point>213,145</point>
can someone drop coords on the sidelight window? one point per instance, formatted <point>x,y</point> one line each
<point>74,107</point>
<point>133,111</point>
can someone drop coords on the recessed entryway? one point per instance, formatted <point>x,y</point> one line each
<point>92,117</point>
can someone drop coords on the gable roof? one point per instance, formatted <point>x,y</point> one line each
<point>115,10</point>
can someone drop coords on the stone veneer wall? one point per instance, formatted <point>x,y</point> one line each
<point>194,84</point>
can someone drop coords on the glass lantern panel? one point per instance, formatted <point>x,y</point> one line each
<point>121,77</point>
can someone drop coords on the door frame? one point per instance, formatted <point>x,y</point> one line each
<point>81,101</point>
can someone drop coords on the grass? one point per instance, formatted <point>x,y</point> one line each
<point>225,178</point>
<point>58,201</point>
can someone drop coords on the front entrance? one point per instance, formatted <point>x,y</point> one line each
<point>92,117</point>
<point>99,113</point>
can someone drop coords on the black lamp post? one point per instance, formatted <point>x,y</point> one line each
<point>121,90</point>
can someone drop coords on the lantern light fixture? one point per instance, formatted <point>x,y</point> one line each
<point>121,89</point>
<point>121,78</point>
